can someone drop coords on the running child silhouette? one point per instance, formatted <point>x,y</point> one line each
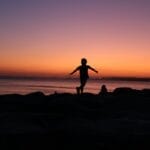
<point>83,69</point>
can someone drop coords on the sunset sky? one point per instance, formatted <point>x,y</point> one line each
<point>49,37</point>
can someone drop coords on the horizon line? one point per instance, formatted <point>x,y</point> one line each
<point>114,78</point>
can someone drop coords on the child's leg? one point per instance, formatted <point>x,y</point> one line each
<point>78,90</point>
<point>83,82</point>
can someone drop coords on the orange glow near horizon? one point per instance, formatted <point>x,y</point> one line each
<point>62,66</point>
<point>123,64</point>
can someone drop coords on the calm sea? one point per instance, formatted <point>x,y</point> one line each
<point>50,86</point>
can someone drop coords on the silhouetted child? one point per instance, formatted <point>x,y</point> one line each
<point>83,68</point>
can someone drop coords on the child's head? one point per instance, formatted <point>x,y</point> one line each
<point>83,61</point>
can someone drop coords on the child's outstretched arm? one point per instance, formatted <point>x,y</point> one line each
<point>74,71</point>
<point>93,69</point>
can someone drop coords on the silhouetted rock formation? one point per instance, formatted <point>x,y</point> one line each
<point>119,120</point>
<point>103,91</point>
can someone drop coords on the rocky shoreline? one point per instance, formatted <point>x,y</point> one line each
<point>118,119</point>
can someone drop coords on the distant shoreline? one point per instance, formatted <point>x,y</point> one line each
<point>142,79</point>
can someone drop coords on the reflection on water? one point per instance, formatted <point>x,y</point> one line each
<point>9,86</point>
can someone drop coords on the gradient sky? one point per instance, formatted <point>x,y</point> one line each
<point>49,37</point>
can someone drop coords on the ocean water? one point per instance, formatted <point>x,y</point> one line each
<point>50,86</point>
